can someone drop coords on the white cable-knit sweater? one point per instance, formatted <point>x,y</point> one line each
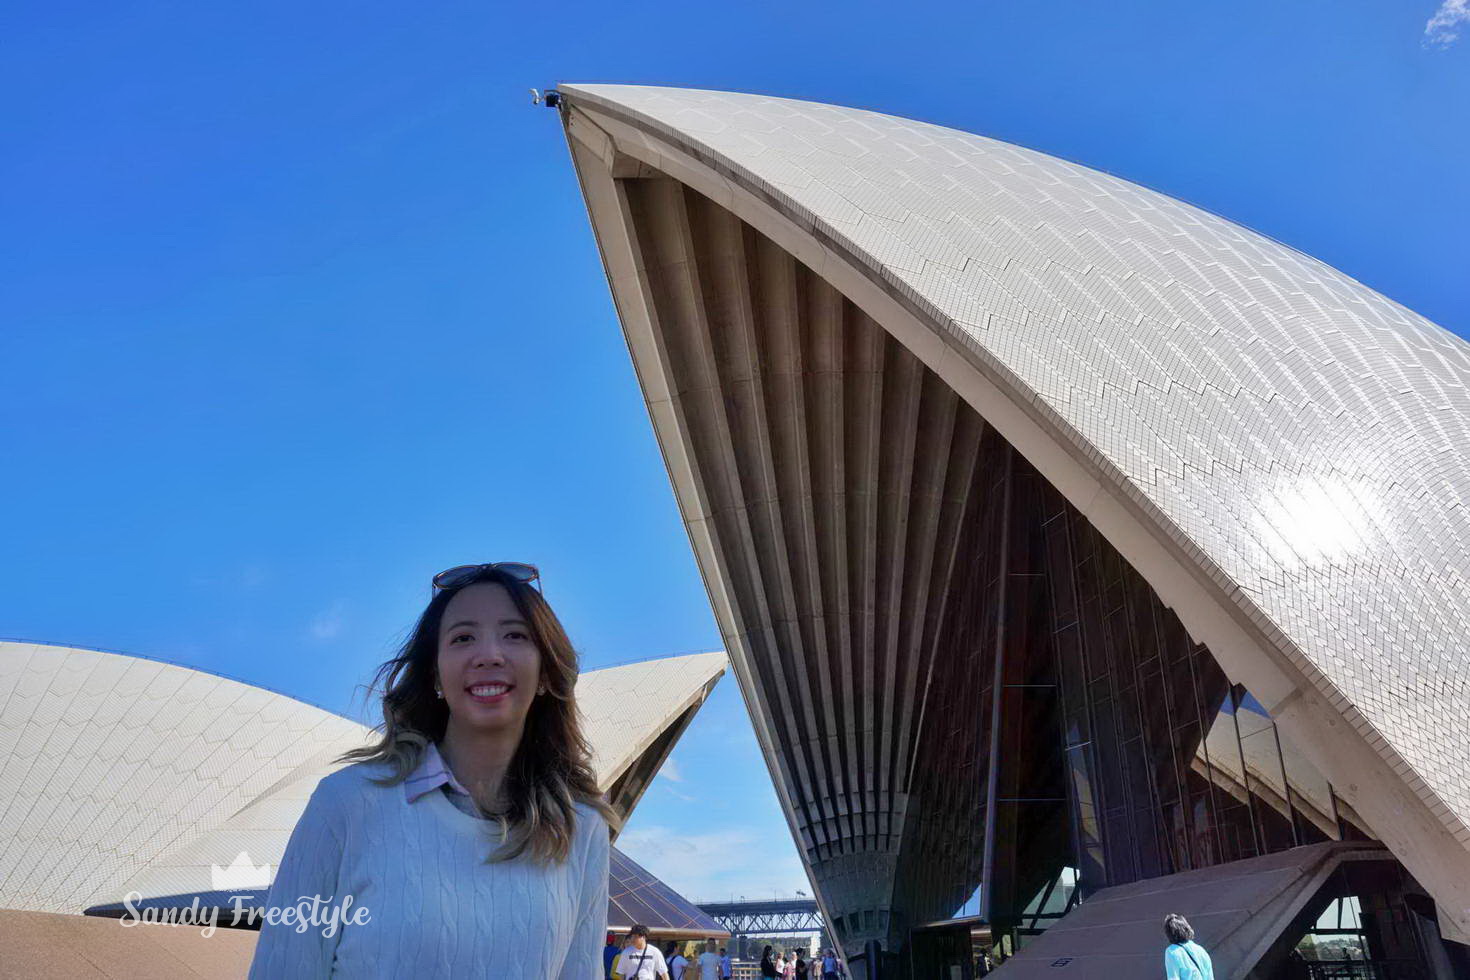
<point>434,907</point>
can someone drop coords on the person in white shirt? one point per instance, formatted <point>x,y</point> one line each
<point>709,963</point>
<point>478,800</point>
<point>641,960</point>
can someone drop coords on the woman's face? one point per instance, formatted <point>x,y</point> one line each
<point>489,667</point>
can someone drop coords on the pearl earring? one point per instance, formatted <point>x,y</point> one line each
<point>438,694</point>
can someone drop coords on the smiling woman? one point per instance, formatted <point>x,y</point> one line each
<point>472,832</point>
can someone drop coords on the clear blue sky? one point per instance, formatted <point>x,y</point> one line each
<point>299,303</point>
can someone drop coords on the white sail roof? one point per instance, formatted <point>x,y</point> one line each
<point>119,773</point>
<point>1302,439</point>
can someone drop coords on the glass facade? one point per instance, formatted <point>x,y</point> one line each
<point>1076,737</point>
<point>635,896</point>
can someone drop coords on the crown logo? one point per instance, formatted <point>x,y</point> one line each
<point>241,875</point>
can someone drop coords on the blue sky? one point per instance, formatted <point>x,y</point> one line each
<point>299,303</point>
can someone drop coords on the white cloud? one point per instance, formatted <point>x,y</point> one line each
<point>328,624</point>
<point>670,771</point>
<point>678,795</point>
<point>1443,29</point>
<point>717,864</point>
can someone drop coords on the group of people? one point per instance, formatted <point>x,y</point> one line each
<point>794,965</point>
<point>638,959</point>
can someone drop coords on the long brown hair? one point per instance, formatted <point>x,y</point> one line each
<point>551,770</point>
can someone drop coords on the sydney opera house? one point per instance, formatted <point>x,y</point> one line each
<point>1082,556</point>
<point>125,776</point>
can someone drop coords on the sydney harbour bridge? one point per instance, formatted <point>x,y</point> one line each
<point>770,918</point>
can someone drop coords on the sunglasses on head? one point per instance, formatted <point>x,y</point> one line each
<point>453,578</point>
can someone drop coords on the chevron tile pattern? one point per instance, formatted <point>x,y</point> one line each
<point>1302,438</point>
<point>119,773</point>
<point>110,763</point>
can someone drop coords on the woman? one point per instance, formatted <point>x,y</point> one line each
<point>768,968</point>
<point>472,833</point>
<point>788,965</point>
<point>1184,959</point>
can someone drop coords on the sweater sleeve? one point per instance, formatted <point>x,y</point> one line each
<point>584,957</point>
<point>309,868</point>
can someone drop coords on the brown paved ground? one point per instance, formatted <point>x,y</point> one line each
<point>52,946</point>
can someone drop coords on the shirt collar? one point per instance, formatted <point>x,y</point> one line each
<point>429,775</point>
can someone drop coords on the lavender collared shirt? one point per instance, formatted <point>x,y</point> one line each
<point>429,775</point>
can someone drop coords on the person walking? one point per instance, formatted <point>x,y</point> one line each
<point>479,796</point>
<point>641,960</point>
<point>1184,959</point>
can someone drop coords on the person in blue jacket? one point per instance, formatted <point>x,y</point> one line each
<point>1184,959</point>
<point>610,956</point>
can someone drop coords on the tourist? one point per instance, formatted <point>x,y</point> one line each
<point>708,962</point>
<point>788,965</point>
<point>641,961</point>
<point>768,967</point>
<point>478,797</point>
<point>678,963</point>
<point>610,956</point>
<point>831,965</point>
<point>727,969</point>
<point>1184,959</point>
<point>801,964</point>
